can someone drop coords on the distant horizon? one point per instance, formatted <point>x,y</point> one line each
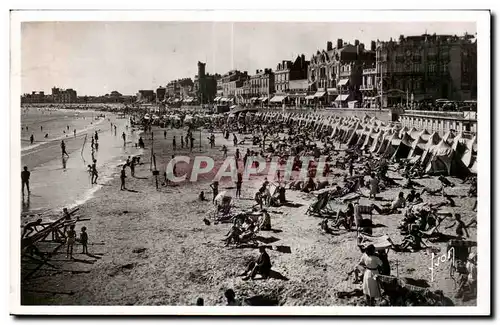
<point>96,58</point>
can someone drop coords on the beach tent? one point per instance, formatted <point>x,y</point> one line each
<point>424,135</point>
<point>467,156</point>
<point>433,140</point>
<point>473,168</point>
<point>383,144</point>
<point>392,145</point>
<point>403,131</point>
<point>417,147</point>
<point>352,135</point>
<point>448,137</point>
<point>377,139</point>
<point>440,161</point>
<point>445,161</point>
<point>414,133</point>
<point>370,137</point>
<point>403,148</point>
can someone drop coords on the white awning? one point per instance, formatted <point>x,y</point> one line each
<point>341,98</point>
<point>263,98</point>
<point>254,98</point>
<point>217,98</point>
<point>278,99</point>
<point>310,97</point>
<point>343,82</point>
<point>319,94</point>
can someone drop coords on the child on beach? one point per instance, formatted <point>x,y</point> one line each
<point>84,239</point>
<point>70,241</point>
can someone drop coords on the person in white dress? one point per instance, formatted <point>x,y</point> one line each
<point>371,263</point>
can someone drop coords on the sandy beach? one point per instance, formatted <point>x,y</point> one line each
<point>151,247</point>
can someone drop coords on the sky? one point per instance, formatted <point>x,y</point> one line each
<point>95,58</point>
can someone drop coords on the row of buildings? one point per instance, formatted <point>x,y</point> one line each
<point>410,69</point>
<point>384,73</point>
<point>69,96</point>
<point>58,95</point>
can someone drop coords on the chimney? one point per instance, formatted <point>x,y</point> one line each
<point>340,43</point>
<point>373,46</point>
<point>257,71</point>
<point>356,42</point>
<point>329,46</point>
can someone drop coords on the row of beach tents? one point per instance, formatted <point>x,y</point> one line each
<point>451,154</point>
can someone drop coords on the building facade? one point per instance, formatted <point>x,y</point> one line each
<point>63,95</point>
<point>427,67</point>
<point>230,86</point>
<point>335,74</point>
<point>262,86</point>
<point>145,96</point>
<point>160,93</point>
<point>34,97</point>
<point>287,71</point>
<point>205,85</point>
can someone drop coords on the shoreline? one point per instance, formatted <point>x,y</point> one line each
<point>157,250</point>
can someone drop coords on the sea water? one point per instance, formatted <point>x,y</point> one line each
<point>58,181</point>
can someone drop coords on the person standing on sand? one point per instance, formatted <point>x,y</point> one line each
<point>41,128</point>
<point>224,151</point>
<point>124,137</point>
<point>192,144</point>
<point>63,148</point>
<point>235,140</point>
<point>96,136</point>
<point>132,167</point>
<point>174,144</point>
<point>215,190</point>
<point>164,134</point>
<point>32,138</point>
<point>373,186</point>
<point>238,185</point>
<point>212,140</point>
<point>115,128</point>
<point>122,179</point>
<point>182,142</point>
<point>95,175</point>
<point>70,241</point>
<point>84,239</point>
<point>371,263</point>
<point>74,133</point>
